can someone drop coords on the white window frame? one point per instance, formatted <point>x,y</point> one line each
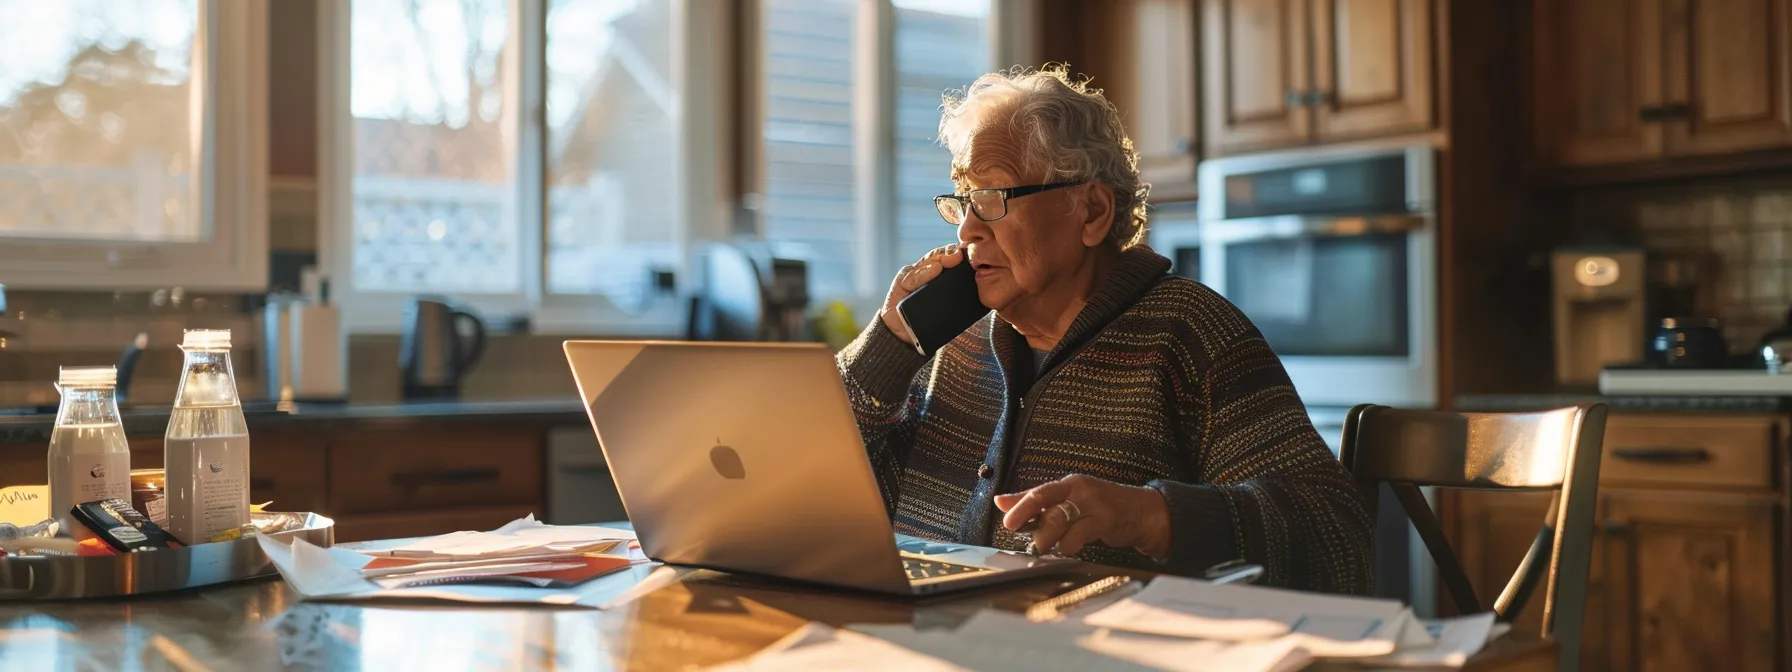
<point>701,144</point>
<point>233,147</point>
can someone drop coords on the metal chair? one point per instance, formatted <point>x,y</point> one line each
<point>1552,450</point>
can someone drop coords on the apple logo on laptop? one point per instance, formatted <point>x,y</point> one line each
<point>727,461</point>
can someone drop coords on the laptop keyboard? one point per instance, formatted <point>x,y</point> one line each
<point>919,568</point>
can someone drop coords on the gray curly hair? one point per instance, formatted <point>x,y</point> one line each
<point>1066,128</point>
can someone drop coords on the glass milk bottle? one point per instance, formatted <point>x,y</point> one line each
<point>207,445</point>
<point>89,457</point>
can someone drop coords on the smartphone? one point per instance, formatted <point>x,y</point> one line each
<point>943,308</point>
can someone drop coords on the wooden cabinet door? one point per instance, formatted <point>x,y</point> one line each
<point>1727,77</point>
<point>1693,581</point>
<point>1372,64</point>
<point>1141,54</point>
<point>1161,117</point>
<point>1255,73</point>
<point>1491,533</point>
<point>1598,67</point>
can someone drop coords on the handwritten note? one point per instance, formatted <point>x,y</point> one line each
<point>25,504</point>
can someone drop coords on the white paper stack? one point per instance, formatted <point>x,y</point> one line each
<point>1174,624</point>
<point>523,562</point>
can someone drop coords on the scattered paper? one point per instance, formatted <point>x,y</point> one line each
<point>1455,641</point>
<point>527,562</point>
<point>820,647</point>
<point>525,536</point>
<point>1099,649</point>
<point>995,641</point>
<point>1324,625</point>
<point>480,572</point>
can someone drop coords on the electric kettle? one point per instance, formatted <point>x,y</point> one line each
<point>433,355</point>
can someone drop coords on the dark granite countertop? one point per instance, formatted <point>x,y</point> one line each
<point>34,427</point>
<point>1509,403</point>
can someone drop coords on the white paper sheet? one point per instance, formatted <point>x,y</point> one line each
<point>524,536</point>
<point>1325,625</point>
<point>335,574</point>
<point>819,647</point>
<point>1073,645</point>
<point>1454,641</point>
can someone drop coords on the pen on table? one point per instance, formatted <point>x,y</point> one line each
<point>1116,586</point>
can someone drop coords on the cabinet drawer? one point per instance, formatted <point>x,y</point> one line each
<point>1689,451</point>
<point>383,470</point>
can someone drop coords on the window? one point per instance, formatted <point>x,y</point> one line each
<point>562,216</point>
<point>940,45</point>
<point>849,174</point>
<point>807,138</point>
<point>610,108</point>
<point>131,144</point>
<point>434,147</point>
<point>551,158</point>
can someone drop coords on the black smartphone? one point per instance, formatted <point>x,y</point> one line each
<point>943,308</point>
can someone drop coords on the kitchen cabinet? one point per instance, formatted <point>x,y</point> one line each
<point>1693,578</point>
<point>382,470</point>
<point>1685,572</point>
<point>1600,63</point>
<point>1256,74</point>
<point>1282,73</point>
<point>1626,81</point>
<point>1141,54</point>
<point>1372,64</point>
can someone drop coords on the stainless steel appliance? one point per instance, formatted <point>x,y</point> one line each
<point>1331,253</point>
<point>1174,231</point>
<point>1598,307</point>
<point>433,355</point>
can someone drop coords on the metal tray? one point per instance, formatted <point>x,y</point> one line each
<point>61,578</point>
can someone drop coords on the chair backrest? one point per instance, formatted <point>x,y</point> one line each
<point>1555,450</point>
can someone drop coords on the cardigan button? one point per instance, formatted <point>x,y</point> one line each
<point>985,472</point>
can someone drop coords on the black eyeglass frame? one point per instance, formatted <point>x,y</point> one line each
<point>963,202</point>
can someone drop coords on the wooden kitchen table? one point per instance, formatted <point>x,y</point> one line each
<point>703,619</point>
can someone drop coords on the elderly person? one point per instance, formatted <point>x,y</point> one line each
<point>1139,416</point>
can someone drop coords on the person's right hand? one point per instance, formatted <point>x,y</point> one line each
<point>910,278</point>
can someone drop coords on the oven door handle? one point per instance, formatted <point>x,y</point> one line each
<point>1305,226</point>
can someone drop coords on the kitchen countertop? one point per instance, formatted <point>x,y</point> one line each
<point>1511,403</point>
<point>34,427</point>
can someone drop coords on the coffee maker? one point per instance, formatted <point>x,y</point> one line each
<point>1599,299</point>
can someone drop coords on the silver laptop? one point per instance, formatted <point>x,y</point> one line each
<point>745,458</point>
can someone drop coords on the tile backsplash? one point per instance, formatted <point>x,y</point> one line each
<point>1741,225</point>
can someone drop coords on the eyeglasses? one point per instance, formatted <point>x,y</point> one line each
<point>988,204</point>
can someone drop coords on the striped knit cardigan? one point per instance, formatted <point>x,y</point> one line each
<point>1159,382</point>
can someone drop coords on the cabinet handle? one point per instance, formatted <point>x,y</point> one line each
<point>1297,99</point>
<point>415,479</point>
<point>1663,455</point>
<point>1318,98</point>
<point>1655,114</point>
<point>1181,146</point>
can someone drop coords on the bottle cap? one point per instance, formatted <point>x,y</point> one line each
<point>87,376</point>
<point>206,339</point>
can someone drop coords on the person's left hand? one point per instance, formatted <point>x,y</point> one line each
<point>1121,516</point>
